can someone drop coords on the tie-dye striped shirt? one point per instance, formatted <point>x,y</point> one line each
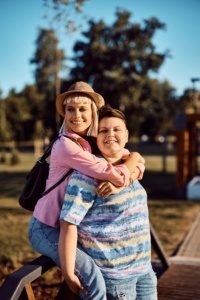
<point>113,231</point>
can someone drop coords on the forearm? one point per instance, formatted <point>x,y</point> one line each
<point>135,175</point>
<point>67,248</point>
<point>78,159</point>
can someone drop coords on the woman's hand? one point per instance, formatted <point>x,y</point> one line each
<point>134,155</point>
<point>106,188</point>
<point>75,285</point>
<point>132,160</point>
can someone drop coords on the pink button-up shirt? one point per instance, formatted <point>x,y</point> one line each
<point>65,155</point>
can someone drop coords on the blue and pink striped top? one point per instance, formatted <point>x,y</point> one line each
<point>113,231</point>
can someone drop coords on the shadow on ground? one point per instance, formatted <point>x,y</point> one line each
<point>11,184</point>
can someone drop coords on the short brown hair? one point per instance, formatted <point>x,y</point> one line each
<point>108,112</point>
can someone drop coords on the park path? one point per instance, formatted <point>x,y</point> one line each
<point>181,281</point>
<point>189,251</point>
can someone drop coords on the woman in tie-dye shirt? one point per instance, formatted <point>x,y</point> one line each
<point>113,231</point>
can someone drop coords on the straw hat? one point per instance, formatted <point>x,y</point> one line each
<point>78,87</point>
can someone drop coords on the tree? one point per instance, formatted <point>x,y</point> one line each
<point>156,107</point>
<point>21,112</point>
<point>5,131</point>
<point>17,112</point>
<point>23,115</point>
<point>63,12</point>
<point>36,112</point>
<point>49,61</point>
<point>118,61</point>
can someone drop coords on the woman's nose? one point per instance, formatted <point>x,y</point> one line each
<point>77,113</point>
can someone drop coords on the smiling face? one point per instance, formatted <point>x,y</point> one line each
<point>112,137</point>
<point>78,114</point>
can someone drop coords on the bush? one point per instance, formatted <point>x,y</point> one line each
<point>3,157</point>
<point>15,158</point>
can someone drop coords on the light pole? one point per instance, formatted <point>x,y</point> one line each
<point>194,80</point>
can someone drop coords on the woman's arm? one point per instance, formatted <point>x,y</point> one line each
<point>68,154</point>
<point>106,188</point>
<point>133,160</point>
<point>67,253</point>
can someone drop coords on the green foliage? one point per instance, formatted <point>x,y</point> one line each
<point>5,128</point>
<point>63,12</point>
<point>34,101</point>
<point>19,113</point>
<point>16,113</point>
<point>154,111</point>
<point>49,63</point>
<point>2,157</point>
<point>47,59</point>
<point>189,101</point>
<point>122,51</point>
<point>15,158</point>
<point>118,60</point>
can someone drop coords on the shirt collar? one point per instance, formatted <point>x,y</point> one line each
<point>86,146</point>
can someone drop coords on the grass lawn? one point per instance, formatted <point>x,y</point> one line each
<point>171,218</point>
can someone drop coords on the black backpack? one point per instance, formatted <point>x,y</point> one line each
<point>34,187</point>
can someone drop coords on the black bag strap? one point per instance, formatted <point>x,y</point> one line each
<point>47,151</point>
<point>57,183</point>
<point>46,154</point>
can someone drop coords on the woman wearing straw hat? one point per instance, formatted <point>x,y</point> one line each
<point>79,107</point>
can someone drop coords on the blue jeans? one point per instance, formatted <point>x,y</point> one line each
<point>44,239</point>
<point>143,287</point>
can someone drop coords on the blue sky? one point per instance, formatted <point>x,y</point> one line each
<point>20,20</point>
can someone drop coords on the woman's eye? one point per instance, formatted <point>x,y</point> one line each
<point>70,109</point>
<point>102,131</point>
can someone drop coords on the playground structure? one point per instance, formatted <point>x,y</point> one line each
<point>186,150</point>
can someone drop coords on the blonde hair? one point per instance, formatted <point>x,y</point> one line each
<point>85,99</point>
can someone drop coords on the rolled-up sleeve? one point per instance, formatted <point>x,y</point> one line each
<point>79,197</point>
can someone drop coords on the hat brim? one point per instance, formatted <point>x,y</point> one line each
<point>97,98</point>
